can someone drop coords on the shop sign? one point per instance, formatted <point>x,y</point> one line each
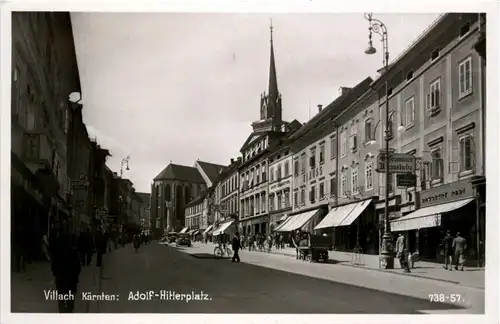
<point>398,163</point>
<point>446,193</point>
<point>406,180</point>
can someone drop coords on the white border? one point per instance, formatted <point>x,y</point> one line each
<point>492,157</point>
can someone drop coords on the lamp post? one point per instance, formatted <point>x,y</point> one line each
<point>123,163</point>
<point>386,259</point>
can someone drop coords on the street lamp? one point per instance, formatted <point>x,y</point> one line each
<point>123,163</point>
<point>386,259</point>
<point>401,128</point>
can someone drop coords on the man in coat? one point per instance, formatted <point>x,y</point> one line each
<point>236,245</point>
<point>66,267</point>
<point>459,245</point>
<point>401,253</point>
<point>448,250</point>
<point>100,246</point>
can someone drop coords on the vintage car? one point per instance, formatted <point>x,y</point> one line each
<point>172,237</point>
<point>183,239</point>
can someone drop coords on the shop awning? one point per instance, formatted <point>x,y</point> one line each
<point>358,210</point>
<point>297,221</point>
<point>426,217</point>
<point>196,232</point>
<point>336,216</point>
<point>184,230</point>
<point>191,232</point>
<point>283,218</point>
<point>277,229</point>
<point>222,228</point>
<point>208,229</point>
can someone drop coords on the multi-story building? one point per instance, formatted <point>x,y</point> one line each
<point>226,195</point>
<point>254,187</point>
<point>44,74</point>
<point>314,147</point>
<point>437,86</point>
<point>352,218</point>
<point>280,183</point>
<point>79,155</point>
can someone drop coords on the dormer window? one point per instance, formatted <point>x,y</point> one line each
<point>435,54</point>
<point>409,75</point>
<point>464,30</point>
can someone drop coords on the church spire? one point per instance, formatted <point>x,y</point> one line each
<point>273,93</point>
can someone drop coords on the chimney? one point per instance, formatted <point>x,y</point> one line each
<point>320,107</point>
<point>232,161</point>
<point>343,91</point>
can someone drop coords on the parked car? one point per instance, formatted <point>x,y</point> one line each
<point>172,237</point>
<point>183,239</point>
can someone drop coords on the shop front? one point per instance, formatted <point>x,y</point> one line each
<point>255,225</point>
<point>352,226</point>
<point>29,214</point>
<point>450,207</point>
<point>304,220</point>
<point>225,231</point>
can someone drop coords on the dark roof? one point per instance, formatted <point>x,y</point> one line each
<point>144,197</point>
<point>181,173</point>
<point>198,199</point>
<point>334,108</point>
<point>211,170</point>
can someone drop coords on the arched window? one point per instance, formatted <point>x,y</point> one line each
<point>369,135</point>
<point>187,194</point>
<point>168,192</point>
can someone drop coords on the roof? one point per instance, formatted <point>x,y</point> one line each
<point>181,173</point>
<point>334,108</point>
<point>144,197</point>
<point>211,170</point>
<point>199,199</point>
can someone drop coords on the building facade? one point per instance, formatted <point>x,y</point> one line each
<point>315,162</point>
<point>437,86</point>
<point>280,184</point>
<point>44,73</point>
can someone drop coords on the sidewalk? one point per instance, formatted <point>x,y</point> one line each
<point>27,289</point>
<point>390,281</point>
<point>470,277</point>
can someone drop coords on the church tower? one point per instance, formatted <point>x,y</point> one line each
<point>270,103</point>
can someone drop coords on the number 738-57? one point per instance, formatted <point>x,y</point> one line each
<point>444,298</point>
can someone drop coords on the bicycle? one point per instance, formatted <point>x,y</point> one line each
<point>220,250</point>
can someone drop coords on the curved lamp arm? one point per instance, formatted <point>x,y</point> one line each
<point>373,141</point>
<point>377,27</point>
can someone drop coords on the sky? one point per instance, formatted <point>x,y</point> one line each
<point>177,87</point>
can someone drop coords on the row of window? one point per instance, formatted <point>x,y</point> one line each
<point>228,186</point>
<point>253,177</point>
<point>279,200</point>
<point>275,172</point>
<point>253,205</point>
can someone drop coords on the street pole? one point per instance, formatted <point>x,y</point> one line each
<point>386,259</point>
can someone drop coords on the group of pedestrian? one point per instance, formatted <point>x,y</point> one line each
<point>454,248</point>
<point>68,254</point>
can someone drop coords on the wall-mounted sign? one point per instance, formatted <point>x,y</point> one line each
<point>446,193</point>
<point>406,180</point>
<point>398,163</point>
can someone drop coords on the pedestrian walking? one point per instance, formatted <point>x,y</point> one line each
<point>66,268</point>
<point>459,245</point>
<point>236,247</point>
<point>401,253</point>
<point>448,250</point>
<point>137,241</point>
